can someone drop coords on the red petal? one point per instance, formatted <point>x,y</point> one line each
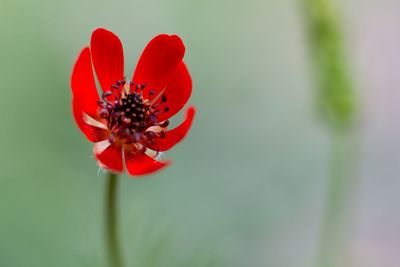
<point>83,85</point>
<point>109,158</point>
<point>108,57</point>
<point>141,164</point>
<point>178,92</point>
<point>158,62</point>
<point>93,134</point>
<point>85,96</point>
<point>175,135</point>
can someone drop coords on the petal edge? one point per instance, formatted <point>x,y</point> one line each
<point>175,135</point>
<point>107,57</point>
<point>140,164</point>
<point>108,156</point>
<point>85,96</point>
<point>158,62</point>
<point>177,91</point>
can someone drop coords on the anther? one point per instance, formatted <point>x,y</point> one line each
<point>150,134</point>
<point>136,137</point>
<point>165,124</point>
<point>100,103</point>
<point>106,94</point>
<point>153,118</point>
<point>104,113</point>
<point>126,120</point>
<point>111,139</point>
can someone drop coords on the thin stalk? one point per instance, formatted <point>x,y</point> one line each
<point>336,220</point>
<point>111,222</point>
<point>336,103</point>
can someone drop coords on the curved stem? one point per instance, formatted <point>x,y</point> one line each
<point>111,222</point>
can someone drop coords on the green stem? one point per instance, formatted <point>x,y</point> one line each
<point>335,94</point>
<point>336,102</point>
<point>111,222</point>
<point>336,218</point>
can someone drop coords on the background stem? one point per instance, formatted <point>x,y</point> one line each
<point>337,220</point>
<point>335,102</point>
<point>111,222</point>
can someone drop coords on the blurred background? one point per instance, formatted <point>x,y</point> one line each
<point>248,185</point>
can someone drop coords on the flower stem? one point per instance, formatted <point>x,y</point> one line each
<point>111,222</point>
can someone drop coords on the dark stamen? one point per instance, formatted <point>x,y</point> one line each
<point>165,124</point>
<point>129,115</point>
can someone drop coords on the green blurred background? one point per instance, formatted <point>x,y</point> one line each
<point>247,185</point>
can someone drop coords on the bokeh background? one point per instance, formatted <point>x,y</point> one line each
<point>248,185</point>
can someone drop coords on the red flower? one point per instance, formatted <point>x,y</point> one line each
<point>130,121</point>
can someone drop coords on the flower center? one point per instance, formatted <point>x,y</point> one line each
<point>130,118</point>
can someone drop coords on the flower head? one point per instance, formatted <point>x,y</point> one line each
<point>129,121</point>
